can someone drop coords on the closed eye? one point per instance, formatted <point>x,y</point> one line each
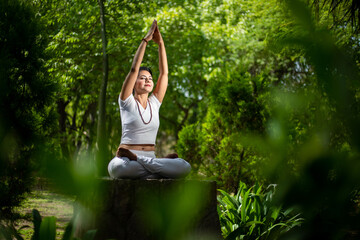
<point>144,78</point>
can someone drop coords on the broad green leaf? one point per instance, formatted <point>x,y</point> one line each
<point>275,212</point>
<point>48,229</point>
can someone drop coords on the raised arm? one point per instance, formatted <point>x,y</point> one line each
<point>162,82</point>
<point>130,79</point>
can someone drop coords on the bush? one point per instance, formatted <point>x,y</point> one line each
<point>212,145</point>
<point>251,214</point>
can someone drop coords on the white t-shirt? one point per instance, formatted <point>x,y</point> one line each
<point>134,131</point>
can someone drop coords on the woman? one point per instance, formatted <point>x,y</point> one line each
<point>139,112</point>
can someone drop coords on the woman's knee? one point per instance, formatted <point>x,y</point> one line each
<point>182,168</point>
<point>187,167</point>
<point>116,167</point>
<point>124,168</point>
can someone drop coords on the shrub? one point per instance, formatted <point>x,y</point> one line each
<point>251,214</point>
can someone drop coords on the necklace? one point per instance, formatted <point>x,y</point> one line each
<point>141,114</point>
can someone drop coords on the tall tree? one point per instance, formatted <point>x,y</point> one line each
<point>26,92</point>
<point>102,145</point>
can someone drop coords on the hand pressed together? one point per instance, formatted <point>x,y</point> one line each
<point>149,36</point>
<point>157,36</point>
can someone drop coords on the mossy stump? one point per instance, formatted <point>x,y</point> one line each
<point>149,210</point>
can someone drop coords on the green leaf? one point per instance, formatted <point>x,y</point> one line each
<point>230,199</point>
<point>68,231</point>
<point>275,212</point>
<point>245,206</point>
<point>37,222</point>
<point>89,235</point>
<point>248,224</point>
<point>301,12</point>
<point>273,227</point>
<point>287,211</point>
<point>257,188</point>
<point>48,229</point>
<point>258,207</point>
<point>234,234</point>
<point>237,217</point>
<point>219,199</point>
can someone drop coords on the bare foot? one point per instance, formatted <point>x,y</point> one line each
<point>172,155</point>
<point>123,152</point>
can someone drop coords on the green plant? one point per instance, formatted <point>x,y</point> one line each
<point>250,214</point>
<point>45,229</point>
<point>8,231</point>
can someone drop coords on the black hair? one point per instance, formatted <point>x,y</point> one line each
<point>146,69</point>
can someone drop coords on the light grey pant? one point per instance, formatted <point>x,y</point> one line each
<point>147,166</point>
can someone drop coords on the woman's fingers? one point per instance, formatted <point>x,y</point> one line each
<point>149,35</point>
<point>157,29</point>
<point>157,36</point>
<point>154,25</point>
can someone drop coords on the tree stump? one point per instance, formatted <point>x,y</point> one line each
<point>149,209</point>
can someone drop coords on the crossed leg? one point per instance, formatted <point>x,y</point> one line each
<point>147,167</point>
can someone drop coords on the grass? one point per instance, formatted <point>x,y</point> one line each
<point>48,204</point>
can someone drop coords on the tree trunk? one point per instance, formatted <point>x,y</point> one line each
<point>61,105</point>
<point>101,128</point>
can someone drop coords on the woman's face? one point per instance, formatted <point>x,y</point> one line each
<point>144,83</point>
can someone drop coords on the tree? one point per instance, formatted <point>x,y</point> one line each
<point>74,31</point>
<point>246,77</point>
<point>343,11</point>
<point>239,75</point>
<point>102,153</point>
<point>26,93</point>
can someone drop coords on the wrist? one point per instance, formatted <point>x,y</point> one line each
<point>145,40</point>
